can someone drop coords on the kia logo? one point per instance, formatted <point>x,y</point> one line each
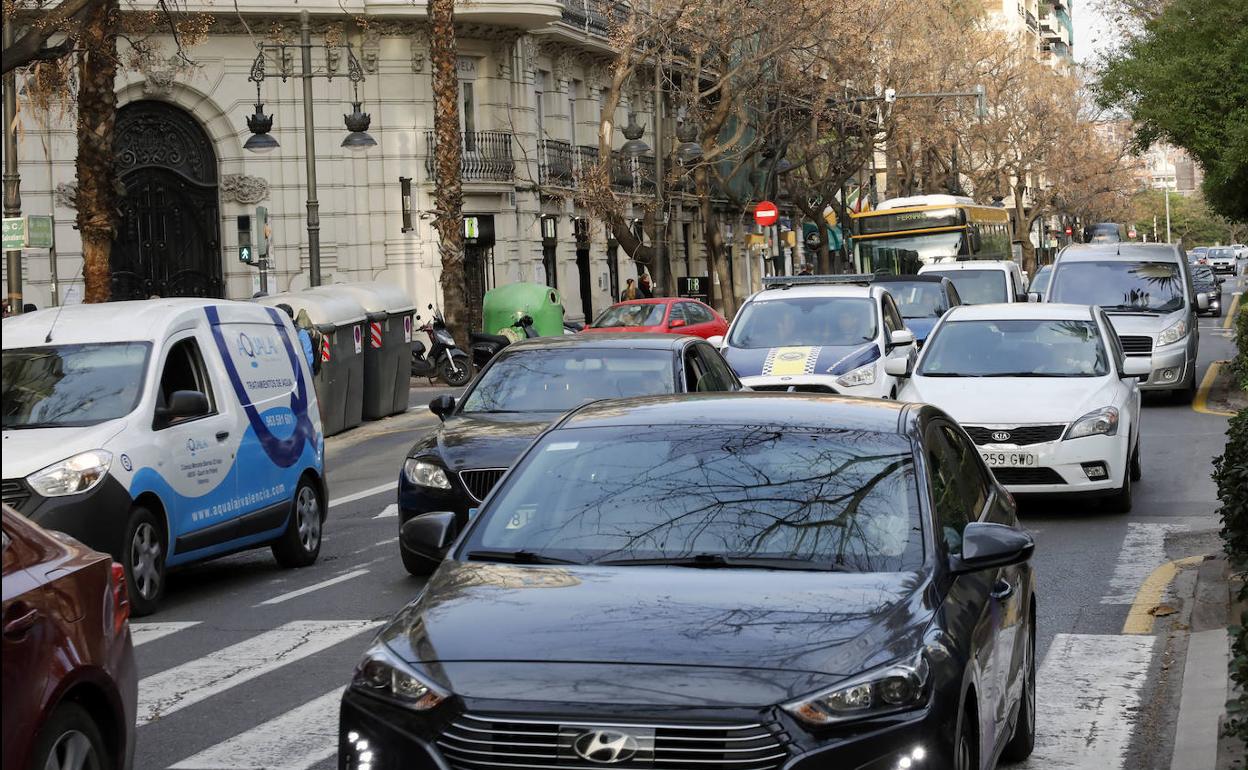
<point>1000,435</point>
<point>605,747</point>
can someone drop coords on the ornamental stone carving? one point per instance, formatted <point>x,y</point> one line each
<point>420,49</point>
<point>66,195</point>
<point>242,188</point>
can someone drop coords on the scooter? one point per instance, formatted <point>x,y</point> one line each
<point>443,359</point>
<point>486,346</point>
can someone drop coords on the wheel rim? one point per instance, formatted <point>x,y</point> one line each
<point>1029,686</point>
<point>72,751</point>
<point>964,759</point>
<point>145,560</point>
<point>308,519</point>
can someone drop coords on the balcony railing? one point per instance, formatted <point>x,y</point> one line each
<point>560,164</point>
<point>485,156</point>
<point>594,17</point>
<point>1032,24</point>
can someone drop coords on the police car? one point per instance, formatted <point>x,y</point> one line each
<point>818,334</point>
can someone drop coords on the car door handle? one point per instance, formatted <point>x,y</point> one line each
<point>223,435</point>
<point>1002,590</point>
<point>18,626</point>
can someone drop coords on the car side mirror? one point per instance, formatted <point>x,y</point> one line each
<point>676,323</point>
<point>183,405</point>
<point>1035,296</point>
<point>899,338</point>
<point>1140,368</point>
<point>986,545</point>
<point>428,537</point>
<point>442,406</point>
<point>899,367</point>
<point>1202,301</point>
<point>716,341</point>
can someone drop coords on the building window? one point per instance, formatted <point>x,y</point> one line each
<point>574,94</point>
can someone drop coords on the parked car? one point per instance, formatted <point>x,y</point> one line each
<point>1241,251</point>
<point>524,389</point>
<point>70,684</point>
<point>1040,284</point>
<point>1044,391</point>
<point>1104,232</point>
<point>1146,288</point>
<point>697,547</point>
<point>1198,255</point>
<point>1205,281</point>
<point>662,315</point>
<point>818,334</point>
<point>1222,259</point>
<point>921,299</point>
<point>982,281</point>
<point>126,425</point>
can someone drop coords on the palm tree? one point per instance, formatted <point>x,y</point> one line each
<point>97,113</point>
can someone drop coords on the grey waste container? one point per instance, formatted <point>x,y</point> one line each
<point>387,345</point>
<point>340,381</point>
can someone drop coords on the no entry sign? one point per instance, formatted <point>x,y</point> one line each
<point>766,213</point>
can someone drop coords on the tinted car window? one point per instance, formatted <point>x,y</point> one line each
<point>72,385</point>
<point>956,491</point>
<point>698,314</point>
<point>544,380</point>
<point>918,299</point>
<point>977,287</point>
<point>715,369</point>
<point>1120,285</point>
<point>631,314</point>
<point>1016,348</point>
<point>827,321</point>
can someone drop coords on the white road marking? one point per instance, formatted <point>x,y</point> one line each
<point>1143,550</point>
<point>296,740</point>
<point>142,633</point>
<point>174,689</point>
<point>389,512</point>
<point>314,587</point>
<point>377,490</point>
<point>1087,700</point>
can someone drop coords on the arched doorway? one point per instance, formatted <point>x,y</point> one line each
<point>168,241</point>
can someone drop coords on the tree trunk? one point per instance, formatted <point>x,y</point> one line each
<point>448,189</point>
<point>97,178</point>
<point>1022,232</point>
<point>716,259</point>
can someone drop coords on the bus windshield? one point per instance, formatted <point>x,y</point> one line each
<point>905,254</point>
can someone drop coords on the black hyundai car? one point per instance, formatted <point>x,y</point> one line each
<point>744,581</point>
<point>526,387</point>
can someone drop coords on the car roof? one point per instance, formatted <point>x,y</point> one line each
<point>612,340</point>
<point>915,278</point>
<point>968,264</point>
<point>1130,251</point>
<point>148,320</point>
<point>1038,311</point>
<point>814,290</point>
<point>774,410</point>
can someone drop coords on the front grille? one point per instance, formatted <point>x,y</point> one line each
<point>15,493</point>
<point>1027,476</point>
<point>795,388</point>
<point>482,743</point>
<point>1022,435</point>
<point>1136,345</point>
<point>481,481</point>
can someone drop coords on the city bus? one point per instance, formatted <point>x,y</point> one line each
<point>903,234</point>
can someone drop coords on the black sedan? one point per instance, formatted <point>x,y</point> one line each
<point>747,581</point>
<point>1205,281</point>
<point>921,299</point>
<point>527,387</point>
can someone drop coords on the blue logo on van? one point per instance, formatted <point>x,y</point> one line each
<point>193,445</point>
<point>253,347</point>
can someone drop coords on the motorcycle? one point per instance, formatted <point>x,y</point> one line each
<point>486,346</point>
<point>443,359</point>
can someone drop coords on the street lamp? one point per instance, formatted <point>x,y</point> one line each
<point>634,147</point>
<point>260,124</point>
<point>688,151</point>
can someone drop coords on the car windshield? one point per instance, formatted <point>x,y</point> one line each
<point>1016,348</point>
<point>66,386</point>
<point>805,321</point>
<point>631,314</point>
<point>918,299</point>
<point>1142,287</point>
<point>1221,253</point>
<point>976,287</point>
<point>546,380</point>
<point>1041,281</point>
<point>713,495</point>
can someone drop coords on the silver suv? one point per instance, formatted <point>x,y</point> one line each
<point>1146,289</point>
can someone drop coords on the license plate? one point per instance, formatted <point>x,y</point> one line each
<point>1009,459</point>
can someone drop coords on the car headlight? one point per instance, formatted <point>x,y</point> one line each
<point>71,476</point>
<point>1173,333</point>
<point>425,474</point>
<point>863,375</point>
<point>382,673</point>
<point>1101,422</point>
<point>886,690</point>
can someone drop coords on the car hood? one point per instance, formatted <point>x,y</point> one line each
<point>27,450</point>
<point>600,628</point>
<point>798,360</point>
<point>1012,400</point>
<point>483,440</point>
<point>1143,324</point>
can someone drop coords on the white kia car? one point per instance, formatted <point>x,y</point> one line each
<point>1044,390</point>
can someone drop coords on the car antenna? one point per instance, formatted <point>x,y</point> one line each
<point>59,307</point>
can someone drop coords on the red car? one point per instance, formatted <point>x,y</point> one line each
<point>665,315</point>
<point>70,685</point>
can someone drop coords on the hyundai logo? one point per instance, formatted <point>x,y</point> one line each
<point>605,747</point>
<point>1000,435</point>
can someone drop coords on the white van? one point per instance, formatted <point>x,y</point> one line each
<point>164,432</point>
<point>982,281</point>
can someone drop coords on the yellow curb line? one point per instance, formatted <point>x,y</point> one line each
<point>1230,316</point>
<point>1139,621</point>
<point>1201,402</point>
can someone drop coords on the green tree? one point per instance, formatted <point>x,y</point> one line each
<point>1191,220</point>
<point>1185,81</point>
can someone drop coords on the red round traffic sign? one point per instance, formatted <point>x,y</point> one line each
<point>766,213</point>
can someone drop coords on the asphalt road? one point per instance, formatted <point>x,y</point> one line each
<point>243,665</point>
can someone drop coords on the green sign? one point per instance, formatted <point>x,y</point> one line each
<point>14,234</point>
<point>39,233</point>
<point>472,228</point>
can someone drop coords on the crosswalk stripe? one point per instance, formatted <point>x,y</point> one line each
<point>309,589</point>
<point>388,512</point>
<point>1143,550</point>
<point>174,689</point>
<point>295,740</point>
<point>1087,700</point>
<point>142,633</point>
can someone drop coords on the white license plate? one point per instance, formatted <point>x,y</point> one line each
<point>1009,459</point>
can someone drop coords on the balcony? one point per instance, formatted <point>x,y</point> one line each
<point>486,156</point>
<point>1032,24</point>
<point>560,164</point>
<point>593,17</point>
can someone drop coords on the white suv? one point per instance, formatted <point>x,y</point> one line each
<point>982,281</point>
<point>818,334</point>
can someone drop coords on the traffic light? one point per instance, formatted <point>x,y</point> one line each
<point>245,254</point>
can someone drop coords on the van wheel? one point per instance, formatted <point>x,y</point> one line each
<point>1187,393</point>
<point>70,740</point>
<point>300,544</point>
<point>144,561</point>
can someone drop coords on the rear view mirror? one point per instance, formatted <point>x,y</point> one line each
<point>898,367</point>
<point>443,405</point>
<point>1137,367</point>
<point>183,405</point>
<point>1202,301</point>
<point>986,545</point>
<point>427,537</point>
<point>717,341</point>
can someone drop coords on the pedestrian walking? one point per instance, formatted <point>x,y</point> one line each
<point>630,290</point>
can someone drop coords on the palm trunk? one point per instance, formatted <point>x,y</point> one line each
<point>448,190</point>
<point>97,114</point>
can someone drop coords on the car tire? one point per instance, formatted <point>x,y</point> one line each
<point>1137,471</point>
<point>458,375</point>
<point>1187,393</point>
<point>300,544</point>
<point>1120,501</point>
<point>965,744</point>
<point>144,561</point>
<point>67,734</point>
<point>1023,741</point>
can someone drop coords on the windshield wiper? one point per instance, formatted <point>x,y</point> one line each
<point>516,557</point>
<point>719,561</point>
